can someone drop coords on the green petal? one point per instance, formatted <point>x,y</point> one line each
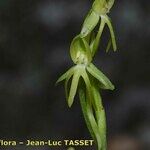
<point>65,75</point>
<point>108,45</point>
<point>74,48</point>
<point>108,21</point>
<point>87,82</point>
<point>98,37</point>
<point>104,81</point>
<point>73,88</point>
<point>110,3</point>
<point>88,50</point>
<point>66,84</point>
<point>89,23</point>
<point>80,46</point>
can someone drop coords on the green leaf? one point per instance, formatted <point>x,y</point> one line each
<point>102,128</point>
<point>84,110</point>
<point>89,23</point>
<point>73,88</point>
<point>92,40</point>
<point>104,81</point>
<point>94,126</point>
<point>65,75</point>
<point>99,113</point>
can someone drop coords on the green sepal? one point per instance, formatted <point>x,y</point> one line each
<point>65,75</point>
<point>90,23</point>
<point>98,37</point>
<point>113,38</point>
<point>104,81</point>
<point>66,85</point>
<point>108,45</point>
<point>73,88</point>
<point>79,46</point>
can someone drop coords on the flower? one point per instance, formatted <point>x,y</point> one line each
<point>81,55</point>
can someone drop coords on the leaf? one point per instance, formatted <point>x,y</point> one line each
<point>104,81</point>
<point>89,23</point>
<point>84,110</point>
<point>65,75</point>
<point>99,6</point>
<point>94,126</point>
<point>99,113</point>
<point>88,110</point>
<point>73,88</point>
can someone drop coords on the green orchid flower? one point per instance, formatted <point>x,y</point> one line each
<point>81,55</point>
<point>99,12</point>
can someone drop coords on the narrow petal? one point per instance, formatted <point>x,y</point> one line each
<point>106,83</point>
<point>73,88</point>
<point>98,36</point>
<point>66,84</point>
<point>64,76</point>
<point>88,50</point>
<point>108,21</point>
<point>108,45</point>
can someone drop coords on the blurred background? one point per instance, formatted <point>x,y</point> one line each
<point>35,36</point>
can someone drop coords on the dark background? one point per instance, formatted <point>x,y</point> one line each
<point>35,36</point>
